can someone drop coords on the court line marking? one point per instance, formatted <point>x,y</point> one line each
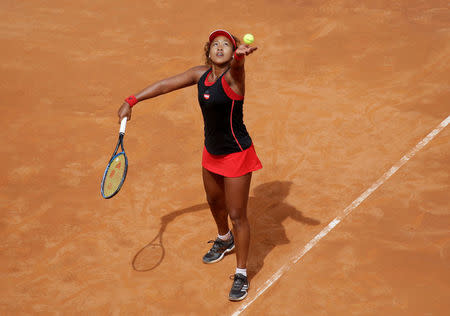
<point>344,213</point>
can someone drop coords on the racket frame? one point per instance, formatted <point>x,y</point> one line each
<point>114,156</point>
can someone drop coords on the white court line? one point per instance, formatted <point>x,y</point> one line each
<point>344,213</point>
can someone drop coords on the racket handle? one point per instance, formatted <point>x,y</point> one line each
<point>123,125</point>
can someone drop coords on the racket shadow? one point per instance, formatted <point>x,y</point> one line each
<point>153,253</point>
<point>267,211</point>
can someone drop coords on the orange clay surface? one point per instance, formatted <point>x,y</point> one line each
<point>337,93</point>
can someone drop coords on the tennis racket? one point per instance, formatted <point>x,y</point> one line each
<point>116,170</point>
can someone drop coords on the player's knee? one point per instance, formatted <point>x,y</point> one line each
<point>238,216</point>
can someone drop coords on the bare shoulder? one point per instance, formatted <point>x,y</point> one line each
<point>197,72</point>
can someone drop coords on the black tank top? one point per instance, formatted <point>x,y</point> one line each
<point>222,110</point>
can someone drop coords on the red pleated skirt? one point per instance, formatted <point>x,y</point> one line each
<point>232,165</point>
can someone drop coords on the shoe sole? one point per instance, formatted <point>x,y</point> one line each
<point>221,256</point>
<point>240,298</point>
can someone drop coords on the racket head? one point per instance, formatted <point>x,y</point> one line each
<point>114,175</point>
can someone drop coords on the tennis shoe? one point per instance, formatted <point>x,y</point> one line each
<point>240,287</point>
<point>218,250</point>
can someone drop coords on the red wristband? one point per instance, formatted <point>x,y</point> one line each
<point>131,100</point>
<point>237,57</point>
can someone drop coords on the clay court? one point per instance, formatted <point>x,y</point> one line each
<point>338,94</point>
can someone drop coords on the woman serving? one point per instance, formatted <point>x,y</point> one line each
<point>229,157</point>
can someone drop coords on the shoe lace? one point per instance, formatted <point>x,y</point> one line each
<point>217,244</point>
<point>238,280</point>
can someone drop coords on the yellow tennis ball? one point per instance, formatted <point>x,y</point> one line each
<point>248,39</point>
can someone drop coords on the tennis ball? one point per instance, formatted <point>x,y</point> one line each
<point>248,39</point>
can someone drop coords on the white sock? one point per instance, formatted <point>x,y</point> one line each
<point>226,236</point>
<point>241,271</point>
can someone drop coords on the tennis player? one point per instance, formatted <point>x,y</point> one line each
<point>229,157</point>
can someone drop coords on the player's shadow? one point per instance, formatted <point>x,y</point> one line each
<point>267,211</point>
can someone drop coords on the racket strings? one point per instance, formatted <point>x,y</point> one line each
<point>114,175</point>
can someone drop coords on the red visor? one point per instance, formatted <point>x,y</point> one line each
<point>216,33</point>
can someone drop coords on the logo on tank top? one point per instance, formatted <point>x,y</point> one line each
<point>206,96</point>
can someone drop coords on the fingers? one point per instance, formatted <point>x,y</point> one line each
<point>128,118</point>
<point>250,50</point>
<point>127,115</point>
<point>124,111</point>
<point>246,49</point>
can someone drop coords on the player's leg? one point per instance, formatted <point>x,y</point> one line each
<point>215,194</point>
<point>236,197</point>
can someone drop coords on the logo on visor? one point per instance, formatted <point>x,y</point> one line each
<point>206,96</point>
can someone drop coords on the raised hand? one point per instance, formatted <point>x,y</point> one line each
<point>245,49</point>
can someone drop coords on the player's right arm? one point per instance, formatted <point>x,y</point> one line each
<point>182,80</point>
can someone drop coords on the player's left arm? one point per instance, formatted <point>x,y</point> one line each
<point>236,78</point>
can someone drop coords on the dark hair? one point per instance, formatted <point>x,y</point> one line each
<point>207,47</point>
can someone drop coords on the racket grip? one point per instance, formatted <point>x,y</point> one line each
<point>123,125</point>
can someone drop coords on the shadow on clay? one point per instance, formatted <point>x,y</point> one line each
<point>266,213</point>
<point>152,254</point>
